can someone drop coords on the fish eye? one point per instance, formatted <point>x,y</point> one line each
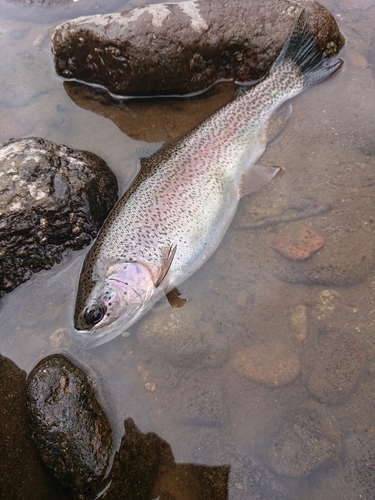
<point>93,313</point>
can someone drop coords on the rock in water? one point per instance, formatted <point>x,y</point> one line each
<point>69,427</point>
<point>22,476</point>
<point>184,47</point>
<point>308,438</point>
<point>52,198</point>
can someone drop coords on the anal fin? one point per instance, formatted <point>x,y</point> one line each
<point>174,298</point>
<point>256,177</point>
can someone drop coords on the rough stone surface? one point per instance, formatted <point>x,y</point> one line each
<point>53,198</point>
<point>250,480</point>
<point>338,364</point>
<point>184,47</point>
<point>296,243</point>
<point>23,476</point>
<point>360,463</point>
<point>308,438</point>
<point>69,427</point>
<point>204,407</point>
<point>270,364</point>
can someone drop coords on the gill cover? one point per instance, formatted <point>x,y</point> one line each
<point>114,304</point>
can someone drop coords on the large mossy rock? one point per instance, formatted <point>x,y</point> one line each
<point>53,198</point>
<point>184,47</point>
<point>69,427</point>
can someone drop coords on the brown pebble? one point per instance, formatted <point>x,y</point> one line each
<point>269,364</point>
<point>297,244</point>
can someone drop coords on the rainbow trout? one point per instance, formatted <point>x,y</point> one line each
<point>176,212</point>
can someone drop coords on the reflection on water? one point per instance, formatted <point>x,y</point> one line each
<point>269,355</point>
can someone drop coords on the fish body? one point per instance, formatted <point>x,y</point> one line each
<point>176,212</point>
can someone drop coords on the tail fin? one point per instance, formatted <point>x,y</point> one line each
<point>301,49</point>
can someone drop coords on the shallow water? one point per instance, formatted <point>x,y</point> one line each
<point>176,373</point>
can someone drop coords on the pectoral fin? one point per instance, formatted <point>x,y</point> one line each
<point>168,255</point>
<point>174,298</point>
<point>256,177</point>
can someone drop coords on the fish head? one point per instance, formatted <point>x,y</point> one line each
<point>114,303</point>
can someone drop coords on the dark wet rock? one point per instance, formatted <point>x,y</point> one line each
<point>308,438</point>
<point>346,259</point>
<point>184,47</point>
<point>360,464</point>
<point>53,198</point>
<point>144,469</point>
<point>23,476</point>
<point>251,480</point>
<point>339,360</point>
<point>70,429</point>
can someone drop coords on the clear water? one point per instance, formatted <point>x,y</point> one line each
<point>161,373</point>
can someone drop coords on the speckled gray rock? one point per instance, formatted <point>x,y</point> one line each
<point>339,360</point>
<point>360,464</point>
<point>22,476</point>
<point>70,429</point>
<point>204,407</point>
<point>53,198</point>
<point>184,47</point>
<point>249,479</point>
<point>308,438</point>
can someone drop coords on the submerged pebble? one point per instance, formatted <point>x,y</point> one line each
<point>204,406</point>
<point>339,361</point>
<point>308,438</point>
<point>182,336</point>
<point>298,322</point>
<point>250,480</point>
<point>22,477</point>
<point>272,364</point>
<point>296,243</point>
<point>360,463</point>
<point>347,259</point>
<point>70,429</point>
